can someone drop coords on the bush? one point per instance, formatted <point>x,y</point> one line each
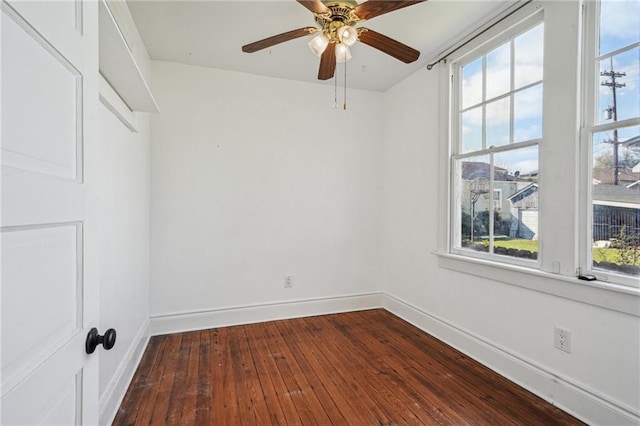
<point>481,225</point>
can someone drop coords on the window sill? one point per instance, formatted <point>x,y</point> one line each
<point>598,293</point>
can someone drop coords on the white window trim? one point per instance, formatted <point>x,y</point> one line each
<point>556,275</point>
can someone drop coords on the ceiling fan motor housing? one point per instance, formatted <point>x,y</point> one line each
<point>340,14</point>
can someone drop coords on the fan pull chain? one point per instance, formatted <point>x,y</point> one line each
<point>335,90</point>
<point>344,105</point>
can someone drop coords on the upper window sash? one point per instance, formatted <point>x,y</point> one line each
<point>514,88</point>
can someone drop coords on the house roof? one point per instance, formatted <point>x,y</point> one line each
<point>605,175</point>
<point>478,169</point>
<point>526,198</point>
<point>617,195</point>
<point>524,192</point>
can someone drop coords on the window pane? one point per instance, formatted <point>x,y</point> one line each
<point>620,74</point>
<point>516,222</point>
<point>499,71</point>
<point>472,83</point>
<point>618,24</point>
<point>528,57</point>
<point>472,130</point>
<point>474,200</point>
<point>528,114</point>
<point>615,194</point>
<point>498,122</point>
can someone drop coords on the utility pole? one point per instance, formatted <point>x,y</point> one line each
<point>612,112</point>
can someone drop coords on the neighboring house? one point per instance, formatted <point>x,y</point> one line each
<point>633,143</point>
<point>522,222</point>
<point>615,206</point>
<point>524,213</point>
<point>515,199</point>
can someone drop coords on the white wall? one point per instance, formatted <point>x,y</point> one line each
<point>499,324</point>
<point>253,178</point>
<point>124,254</point>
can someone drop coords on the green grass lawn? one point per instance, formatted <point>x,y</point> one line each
<point>520,244</point>
<point>609,255</point>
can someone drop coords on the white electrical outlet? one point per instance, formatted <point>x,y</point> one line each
<point>562,339</point>
<point>288,281</point>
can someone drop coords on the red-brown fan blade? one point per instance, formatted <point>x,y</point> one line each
<point>277,39</point>
<point>373,8</point>
<point>388,45</point>
<point>316,6</point>
<point>327,63</point>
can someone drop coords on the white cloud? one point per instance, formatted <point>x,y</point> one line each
<point>620,20</point>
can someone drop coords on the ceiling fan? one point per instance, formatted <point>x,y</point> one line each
<point>337,20</point>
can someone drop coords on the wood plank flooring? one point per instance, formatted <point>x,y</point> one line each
<point>358,368</point>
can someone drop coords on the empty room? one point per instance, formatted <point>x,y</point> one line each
<point>319,212</point>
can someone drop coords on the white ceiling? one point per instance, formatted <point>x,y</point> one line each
<point>211,34</point>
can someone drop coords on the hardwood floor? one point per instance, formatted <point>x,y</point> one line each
<point>359,368</point>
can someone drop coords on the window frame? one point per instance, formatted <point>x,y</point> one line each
<point>532,19</point>
<point>590,125</point>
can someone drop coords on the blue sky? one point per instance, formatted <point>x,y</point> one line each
<point>619,29</point>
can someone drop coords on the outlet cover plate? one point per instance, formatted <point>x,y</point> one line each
<point>562,339</point>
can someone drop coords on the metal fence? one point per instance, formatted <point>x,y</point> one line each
<point>609,221</point>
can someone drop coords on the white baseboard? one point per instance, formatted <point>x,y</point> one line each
<point>114,394</point>
<point>578,400</point>
<point>189,321</point>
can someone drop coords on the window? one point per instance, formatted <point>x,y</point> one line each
<point>528,189</point>
<point>497,199</point>
<point>612,140</point>
<point>498,114</point>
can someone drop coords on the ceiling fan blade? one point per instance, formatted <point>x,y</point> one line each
<point>277,39</point>
<point>373,8</point>
<point>316,6</point>
<point>327,63</point>
<point>388,45</point>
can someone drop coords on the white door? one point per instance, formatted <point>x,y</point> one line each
<point>49,292</point>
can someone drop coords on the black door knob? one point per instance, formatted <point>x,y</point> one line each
<point>94,339</point>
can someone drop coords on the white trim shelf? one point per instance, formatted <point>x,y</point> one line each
<point>118,66</point>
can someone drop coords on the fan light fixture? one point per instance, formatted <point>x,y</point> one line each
<point>344,37</point>
<point>318,44</point>
<point>342,53</point>
<point>347,35</point>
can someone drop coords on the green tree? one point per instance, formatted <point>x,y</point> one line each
<point>626,159</point>
<point>627,245</point>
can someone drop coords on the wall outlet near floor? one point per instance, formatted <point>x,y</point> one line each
<point>288,281</point>
<point>562,339</point>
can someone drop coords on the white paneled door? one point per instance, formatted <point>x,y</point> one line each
<point>49,292</point>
